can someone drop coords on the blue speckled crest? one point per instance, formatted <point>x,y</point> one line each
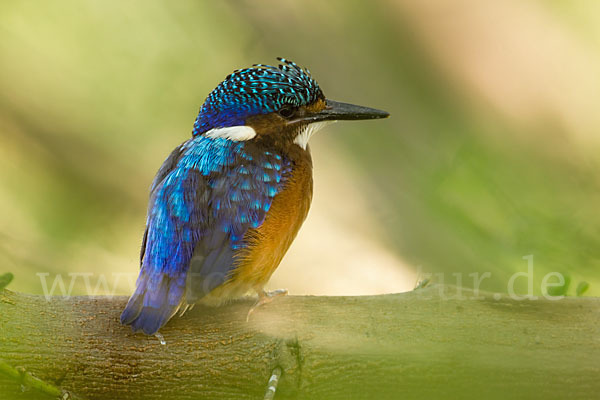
<point>260,89</point>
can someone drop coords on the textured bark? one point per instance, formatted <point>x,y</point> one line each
<point>430,343</point>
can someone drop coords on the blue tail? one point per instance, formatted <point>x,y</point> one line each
<point>155,300</point>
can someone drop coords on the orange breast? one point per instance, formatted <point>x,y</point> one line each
<point>268,243</point>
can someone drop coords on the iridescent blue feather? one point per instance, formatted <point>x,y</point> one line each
<point>203,204</point>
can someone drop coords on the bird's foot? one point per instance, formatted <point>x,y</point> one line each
<point>264,298</point>
<point>160,338</point>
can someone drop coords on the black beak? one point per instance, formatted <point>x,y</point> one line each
<point>336,111</point>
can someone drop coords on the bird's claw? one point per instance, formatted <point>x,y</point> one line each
<point>264,298</point>
<point>160,338</point>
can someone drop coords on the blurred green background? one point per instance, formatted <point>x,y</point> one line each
<point>491,153</point>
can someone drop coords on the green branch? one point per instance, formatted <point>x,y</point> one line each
<point>436,342</point>
<point>22,377</point>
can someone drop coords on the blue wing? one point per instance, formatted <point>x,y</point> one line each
<point>205,197</point>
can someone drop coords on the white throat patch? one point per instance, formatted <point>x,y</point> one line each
<point>309,130</point>
<point>236,133</point>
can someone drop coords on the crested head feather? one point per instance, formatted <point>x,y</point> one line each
<point>260,89</point>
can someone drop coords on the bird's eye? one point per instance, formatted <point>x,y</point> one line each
<point>287,111</point>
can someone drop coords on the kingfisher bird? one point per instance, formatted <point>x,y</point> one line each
<point>226,204</point>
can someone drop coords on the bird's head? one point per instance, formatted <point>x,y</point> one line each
<point>281,105</point>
